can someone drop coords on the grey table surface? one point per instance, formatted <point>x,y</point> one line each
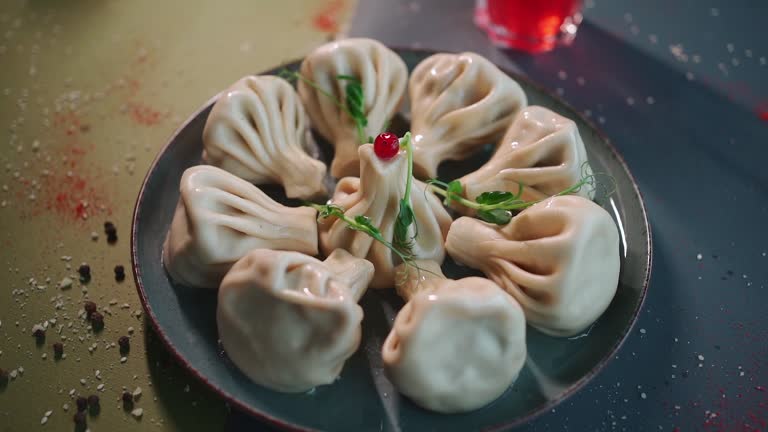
<point>680,88</point>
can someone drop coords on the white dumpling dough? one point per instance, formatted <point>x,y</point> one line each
<point>559,259</point>
<point>457,345</point>
<point>458,103</point>
<point>290,321</point>
<point>542,150</point>
<point>220,218</point>
<point>383,75</point>
<point>257,130</point>
<point>377,194</point>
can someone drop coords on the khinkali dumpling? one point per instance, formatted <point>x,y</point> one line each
<point>458,103</point>
<point>290,321</point>
<point>559,259</point>
<point>377,194</point>
<point>542,150</point>
<point>383,76</point>
<point>220,217</point>
<point>258,131</point>
<point>457,344</point>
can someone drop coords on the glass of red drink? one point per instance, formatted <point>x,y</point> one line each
<point>529,25</point>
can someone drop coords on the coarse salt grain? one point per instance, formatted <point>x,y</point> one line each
<point>137,413</point>
<point>700,357</point>
<point>100,387</point>
<point>699,257</point>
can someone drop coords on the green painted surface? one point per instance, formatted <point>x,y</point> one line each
<point>89,92</point>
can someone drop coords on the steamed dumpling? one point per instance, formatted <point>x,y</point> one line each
<point>377,194</point>
<point>559,259</point>
<point>220,218</point>
<point>257,130</point>
<point>383,76</point>
<point>542,150</point>
<point>290,321</point>
<point>457,344</point>
<point>458,103</point>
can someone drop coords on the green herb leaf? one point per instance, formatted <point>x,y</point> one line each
<point>495,216</point>
<point>364,224</point>
<point>494,197</point>
<point>455,188</point>
<point>405,218</point>
<point>355,104</point>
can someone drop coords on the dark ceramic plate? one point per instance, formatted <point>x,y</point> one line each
<point>362,398</point>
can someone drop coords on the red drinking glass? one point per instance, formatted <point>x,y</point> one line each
<point>529,25</point>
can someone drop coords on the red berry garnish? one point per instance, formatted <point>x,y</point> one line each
<point>386,145</point>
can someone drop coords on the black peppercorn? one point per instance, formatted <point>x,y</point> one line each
<point>39,333</point>
<point>3,376</point>
<point>90,308</point>
<point>82,403</point>
<point>127,398</point>
<point>125,343</point>
<point>58,349</point>
<point>80,418</point>
<point>119,273</point>
<point>97,321</point>
<point>85,273</point>
<point>111,231</point>
<point>93,401</point>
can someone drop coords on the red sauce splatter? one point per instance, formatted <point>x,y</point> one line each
<point>762,114</point>
<point>327,18</point>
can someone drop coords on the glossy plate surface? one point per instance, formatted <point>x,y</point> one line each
<point>362,398</point>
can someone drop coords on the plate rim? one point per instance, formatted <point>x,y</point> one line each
<point>264,415</point>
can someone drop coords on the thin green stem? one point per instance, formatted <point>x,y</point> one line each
<point>453,197</point>
<point>409,178</point>
<point>329,95</point>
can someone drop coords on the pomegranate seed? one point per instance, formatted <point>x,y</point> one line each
<point>386,145</point>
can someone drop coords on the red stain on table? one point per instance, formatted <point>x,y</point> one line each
<point>327,18</point>
<point>77,191</point>
<point>143,114</point>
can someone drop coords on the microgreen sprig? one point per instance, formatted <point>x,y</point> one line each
<point>497,206</point>
<point>354,101</point>
<point>363,224</point>
<point>405,215</point>
<point>360,223</point>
